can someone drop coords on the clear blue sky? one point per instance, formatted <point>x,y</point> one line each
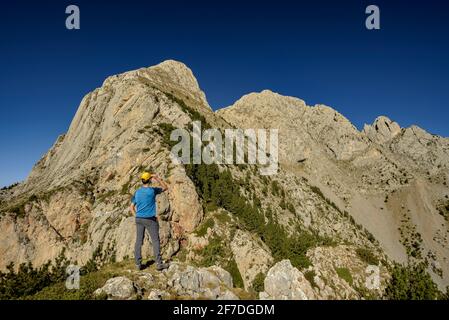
<point>317,50</point>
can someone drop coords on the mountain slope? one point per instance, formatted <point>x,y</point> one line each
<point>392,180</point>
<point>339,192</point>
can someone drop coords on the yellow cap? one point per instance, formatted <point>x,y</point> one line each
<point>145,176</point>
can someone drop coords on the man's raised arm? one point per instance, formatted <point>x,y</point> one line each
<point>161,183</point>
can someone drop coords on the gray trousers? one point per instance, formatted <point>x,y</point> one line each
<point>152,226</point>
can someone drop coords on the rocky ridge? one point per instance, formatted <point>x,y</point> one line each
<point>382,189</point>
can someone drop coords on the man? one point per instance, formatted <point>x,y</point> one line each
<point>144,207</point>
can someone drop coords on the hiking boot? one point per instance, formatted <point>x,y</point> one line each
<point>162,266</point>
<point>139,267</point>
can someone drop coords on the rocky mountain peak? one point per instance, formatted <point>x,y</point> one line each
<point>169,76</point>
<point>383,129</point>
<point>267,98</point>
<point>179,73</point>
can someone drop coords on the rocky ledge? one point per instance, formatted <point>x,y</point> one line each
<point>179,281</point>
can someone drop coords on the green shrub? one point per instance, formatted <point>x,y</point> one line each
<point>367,256</point>
<point>291,207</point>
<point>318,191</point>
<point>59,292</point>
<point>202,230</point>
<point>105,196</point>
<point>310,276</point>
<point>369,235</point>
<point>232,268</point>
<point>166,130</point>
<point>28,280</point>
<point>366,293</point>
<point>275,188</point>
<point>259,282</point>
<point>223,217</point>
<point>125,187</point>
<point>411,283</point>
<point>10,186</point>
<point>445,296</point>
<point>212,252</point>
<point>345,274</point>
<point>18,210</point>
<point>443,210</point>
<point>193,114</point>
<point>95,262</point>
<point>264,190</point>
<point>88,284</point>
<point>283,204</point>
<point>220,189</point>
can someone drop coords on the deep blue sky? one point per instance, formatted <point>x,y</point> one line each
<point>317,50</point>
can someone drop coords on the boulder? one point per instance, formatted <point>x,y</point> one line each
<point>209,283</point>
<point>120,288</point>
<point>285,282</point>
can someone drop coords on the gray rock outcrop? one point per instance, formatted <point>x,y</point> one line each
<point>285,282</point>
<point>120,288</point>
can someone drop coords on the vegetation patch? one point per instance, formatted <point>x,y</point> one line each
<point>218,188</point>
<point>370,236</point>
<point>411,240</point>
<point>28,280</point>
<point>275,188</point>
<point>411,283</point>
<point>366,255</point>
<point>231,267</point>
<point>443,209</point>
<point>193,114</point>
<point>165,129</point>
<point>259,282</point>
<point>125,187</point>
<point>202,230</point>
<point>366,293</point>
<point>18,209</point>
<point>88,284</point>
<point>345,274</point>
<point>212,252</point>
<point>105,196</point>
<point>100,257</point>
<point>83,233</point>
<point>310,276</point>
<point>318,192</point>
<point>9,187</point>
<point>223,217</point>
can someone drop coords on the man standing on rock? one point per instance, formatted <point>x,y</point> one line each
<point>144,207</point>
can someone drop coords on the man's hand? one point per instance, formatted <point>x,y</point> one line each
<point>133,209</point>
<point>161,182</point>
